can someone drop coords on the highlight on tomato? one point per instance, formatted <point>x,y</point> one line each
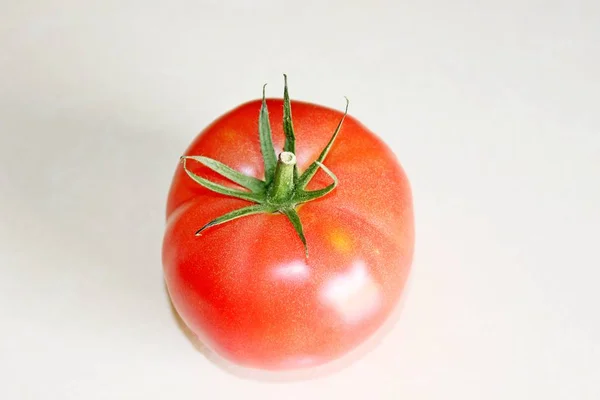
<point>288,240</point>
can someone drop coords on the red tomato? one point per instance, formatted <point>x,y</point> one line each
<point>246,288</point>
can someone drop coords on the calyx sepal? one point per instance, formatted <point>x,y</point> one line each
<point>282,188</point>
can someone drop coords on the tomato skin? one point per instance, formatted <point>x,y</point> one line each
<point>245,287</point>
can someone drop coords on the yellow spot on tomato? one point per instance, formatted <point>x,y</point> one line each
<point>340,240</point>
<point>229,136</point>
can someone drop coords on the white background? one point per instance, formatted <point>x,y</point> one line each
<point>491,106</point>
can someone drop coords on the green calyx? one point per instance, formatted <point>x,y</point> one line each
<point>283,188</point>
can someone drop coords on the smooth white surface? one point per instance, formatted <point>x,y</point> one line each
<point>491,106</point>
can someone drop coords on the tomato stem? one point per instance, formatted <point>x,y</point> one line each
<point>282,187</point>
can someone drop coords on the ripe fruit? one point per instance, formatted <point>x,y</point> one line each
<point>287,261</point>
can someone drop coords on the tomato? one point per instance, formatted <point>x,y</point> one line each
<point>248,287</point>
